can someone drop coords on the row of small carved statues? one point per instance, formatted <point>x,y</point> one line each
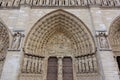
<point>86,64</point>
<point>32,64</point>
<point>16,3</point>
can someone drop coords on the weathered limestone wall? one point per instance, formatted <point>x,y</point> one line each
<point>96,19</point>
<point>25,17</point>
<point>12,65</point>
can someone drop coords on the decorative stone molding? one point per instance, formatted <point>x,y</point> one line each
<point>114,35</point>
<point>59,3</point>
<point>4,44</point>
<point>62,25</point>
<point>102,39</point>
<point>17,40</point>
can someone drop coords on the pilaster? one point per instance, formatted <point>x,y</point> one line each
<point>106,62</point>
<point>12,63</point>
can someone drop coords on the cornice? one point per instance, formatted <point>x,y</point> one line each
<point>15,4</point>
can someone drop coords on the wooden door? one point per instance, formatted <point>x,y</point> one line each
<point>118,61</point>
<point>52,68</point>
<point>67,69</point>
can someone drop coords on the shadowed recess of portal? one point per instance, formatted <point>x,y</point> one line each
<point>67,68</point>
<point>52,68</point>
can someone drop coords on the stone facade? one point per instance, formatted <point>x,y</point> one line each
<point>59,39</point>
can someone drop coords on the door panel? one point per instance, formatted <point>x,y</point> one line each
<point>52,68</point>
<point>118,61</point>
<point>67,69</point>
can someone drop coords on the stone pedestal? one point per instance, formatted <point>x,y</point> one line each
<point>11,67</point>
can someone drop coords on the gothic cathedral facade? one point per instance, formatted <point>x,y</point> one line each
<point>59,39</point>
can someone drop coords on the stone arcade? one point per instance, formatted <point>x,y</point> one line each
<point>59,40</point>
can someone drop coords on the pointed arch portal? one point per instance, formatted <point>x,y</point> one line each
<point>114,38</point>
<point>65,37</point>
<point>59,22</point>
<point>4,44</point>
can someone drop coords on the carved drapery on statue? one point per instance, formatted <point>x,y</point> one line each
<point>4,44</point>
<point>102,39</point>
<point>17,41</point>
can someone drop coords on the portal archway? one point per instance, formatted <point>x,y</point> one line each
<point>59,34</point>
<point>59,21</point>
<point>114,34</point>
<point>4,44</point>
<point>114,38</point>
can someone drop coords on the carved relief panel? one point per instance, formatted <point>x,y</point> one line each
<point>17,40</point>
<point>102,39</point>
<point>59,44</point>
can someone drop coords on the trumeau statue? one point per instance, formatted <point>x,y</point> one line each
<point>16,40</point>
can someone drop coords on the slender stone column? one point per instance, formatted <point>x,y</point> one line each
<point>60,68</point>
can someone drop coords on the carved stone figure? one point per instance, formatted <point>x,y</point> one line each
<point>102,39</point>
<point>16,40</point>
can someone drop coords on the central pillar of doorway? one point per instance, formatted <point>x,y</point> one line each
<point>60,76</point>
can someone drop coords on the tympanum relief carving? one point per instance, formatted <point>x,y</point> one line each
<point>59,44</point>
